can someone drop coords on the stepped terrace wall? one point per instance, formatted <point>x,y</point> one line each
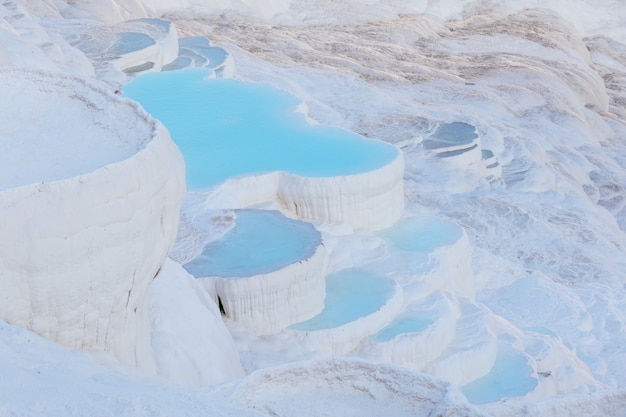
<point>89,209</point>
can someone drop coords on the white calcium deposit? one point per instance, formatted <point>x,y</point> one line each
<point>371,200</point>
<point>191,344</point>
<point>267,303</point>
<point>84,231</point>
<point>532,295</point>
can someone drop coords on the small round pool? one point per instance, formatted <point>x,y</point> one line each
<point>350,295</point>
<point>227,128</point>
<point>451,135</point>
<point>262,241</point>
<point>422,234</point>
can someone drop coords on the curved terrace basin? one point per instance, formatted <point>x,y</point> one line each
<point>131,46</point>
<point>358,303</point>
<point>510,376</point>
<point>227,128</point>
<point>262,241</point>
<point>267,272</point>
<point>417,335</point>
<point>410,323</point>
<point>422,234</point>
<point>350,295</point>
<point>451,137</point>
<point>427,254</point>
<point>197,51</point>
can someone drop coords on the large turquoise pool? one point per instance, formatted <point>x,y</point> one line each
<point>227,128</point>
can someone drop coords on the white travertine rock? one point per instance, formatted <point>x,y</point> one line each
<point>83,235</point>
<point>491,168</point>
<point>454,271</point>
<point>190,343</point>
<point>371,200</point>
<point>348,387</point>
<point>446,266</point>
<point>243,192</point>
<point>162,51</point>
<point>473,351</point>
<point>24,42</point>
<point>415,349</point>
<point>456,144</point>
<point>267,303</point>
<point>198,51</point>
<point>117,50</point>
<point>265,9</point>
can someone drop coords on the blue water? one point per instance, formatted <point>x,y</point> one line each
<point>350,295</point>
<point>509,377</point>
<point>451,134</point>
<point>131,41</point>
<point>404,324</point>
<point>227,128</point>
<point>262,241</point>
<point>422,234</point>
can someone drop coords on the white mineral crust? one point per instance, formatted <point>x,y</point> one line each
<point>81,239</point>
<point>267,303</point>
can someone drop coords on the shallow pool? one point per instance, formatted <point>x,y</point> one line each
<point>350,295</point>
<point>422,234</point>
<point>227,128</point>
<point>451,134</point>
<point>412,323</point>
<point>510,376</point>
<point>262,241</point>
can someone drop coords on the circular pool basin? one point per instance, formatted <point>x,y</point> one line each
<point>262,241</point>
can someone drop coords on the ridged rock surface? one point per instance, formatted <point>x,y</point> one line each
<point>84,234</point>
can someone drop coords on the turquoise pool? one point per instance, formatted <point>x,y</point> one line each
<point>510,376</point>
<point>262,241</point>
<point>227,128</point>
<point>350,295</point>
<point>408,323</point>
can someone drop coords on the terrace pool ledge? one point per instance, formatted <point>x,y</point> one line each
<point>267,272</point>
<point>245,143</point>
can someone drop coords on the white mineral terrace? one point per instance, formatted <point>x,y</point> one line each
<point>428,254</point>
<point>371,200</point>
<point>519,312</point>
<point>74,261</point>
<point>417,335</point>
<point>248,143</point>
<point>459,145</point>
<point>358,303</point>
<point>267,272</point>
<point>132,46</point>
<point>197,51</point>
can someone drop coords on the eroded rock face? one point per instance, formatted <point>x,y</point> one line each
<point>80,246</point>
